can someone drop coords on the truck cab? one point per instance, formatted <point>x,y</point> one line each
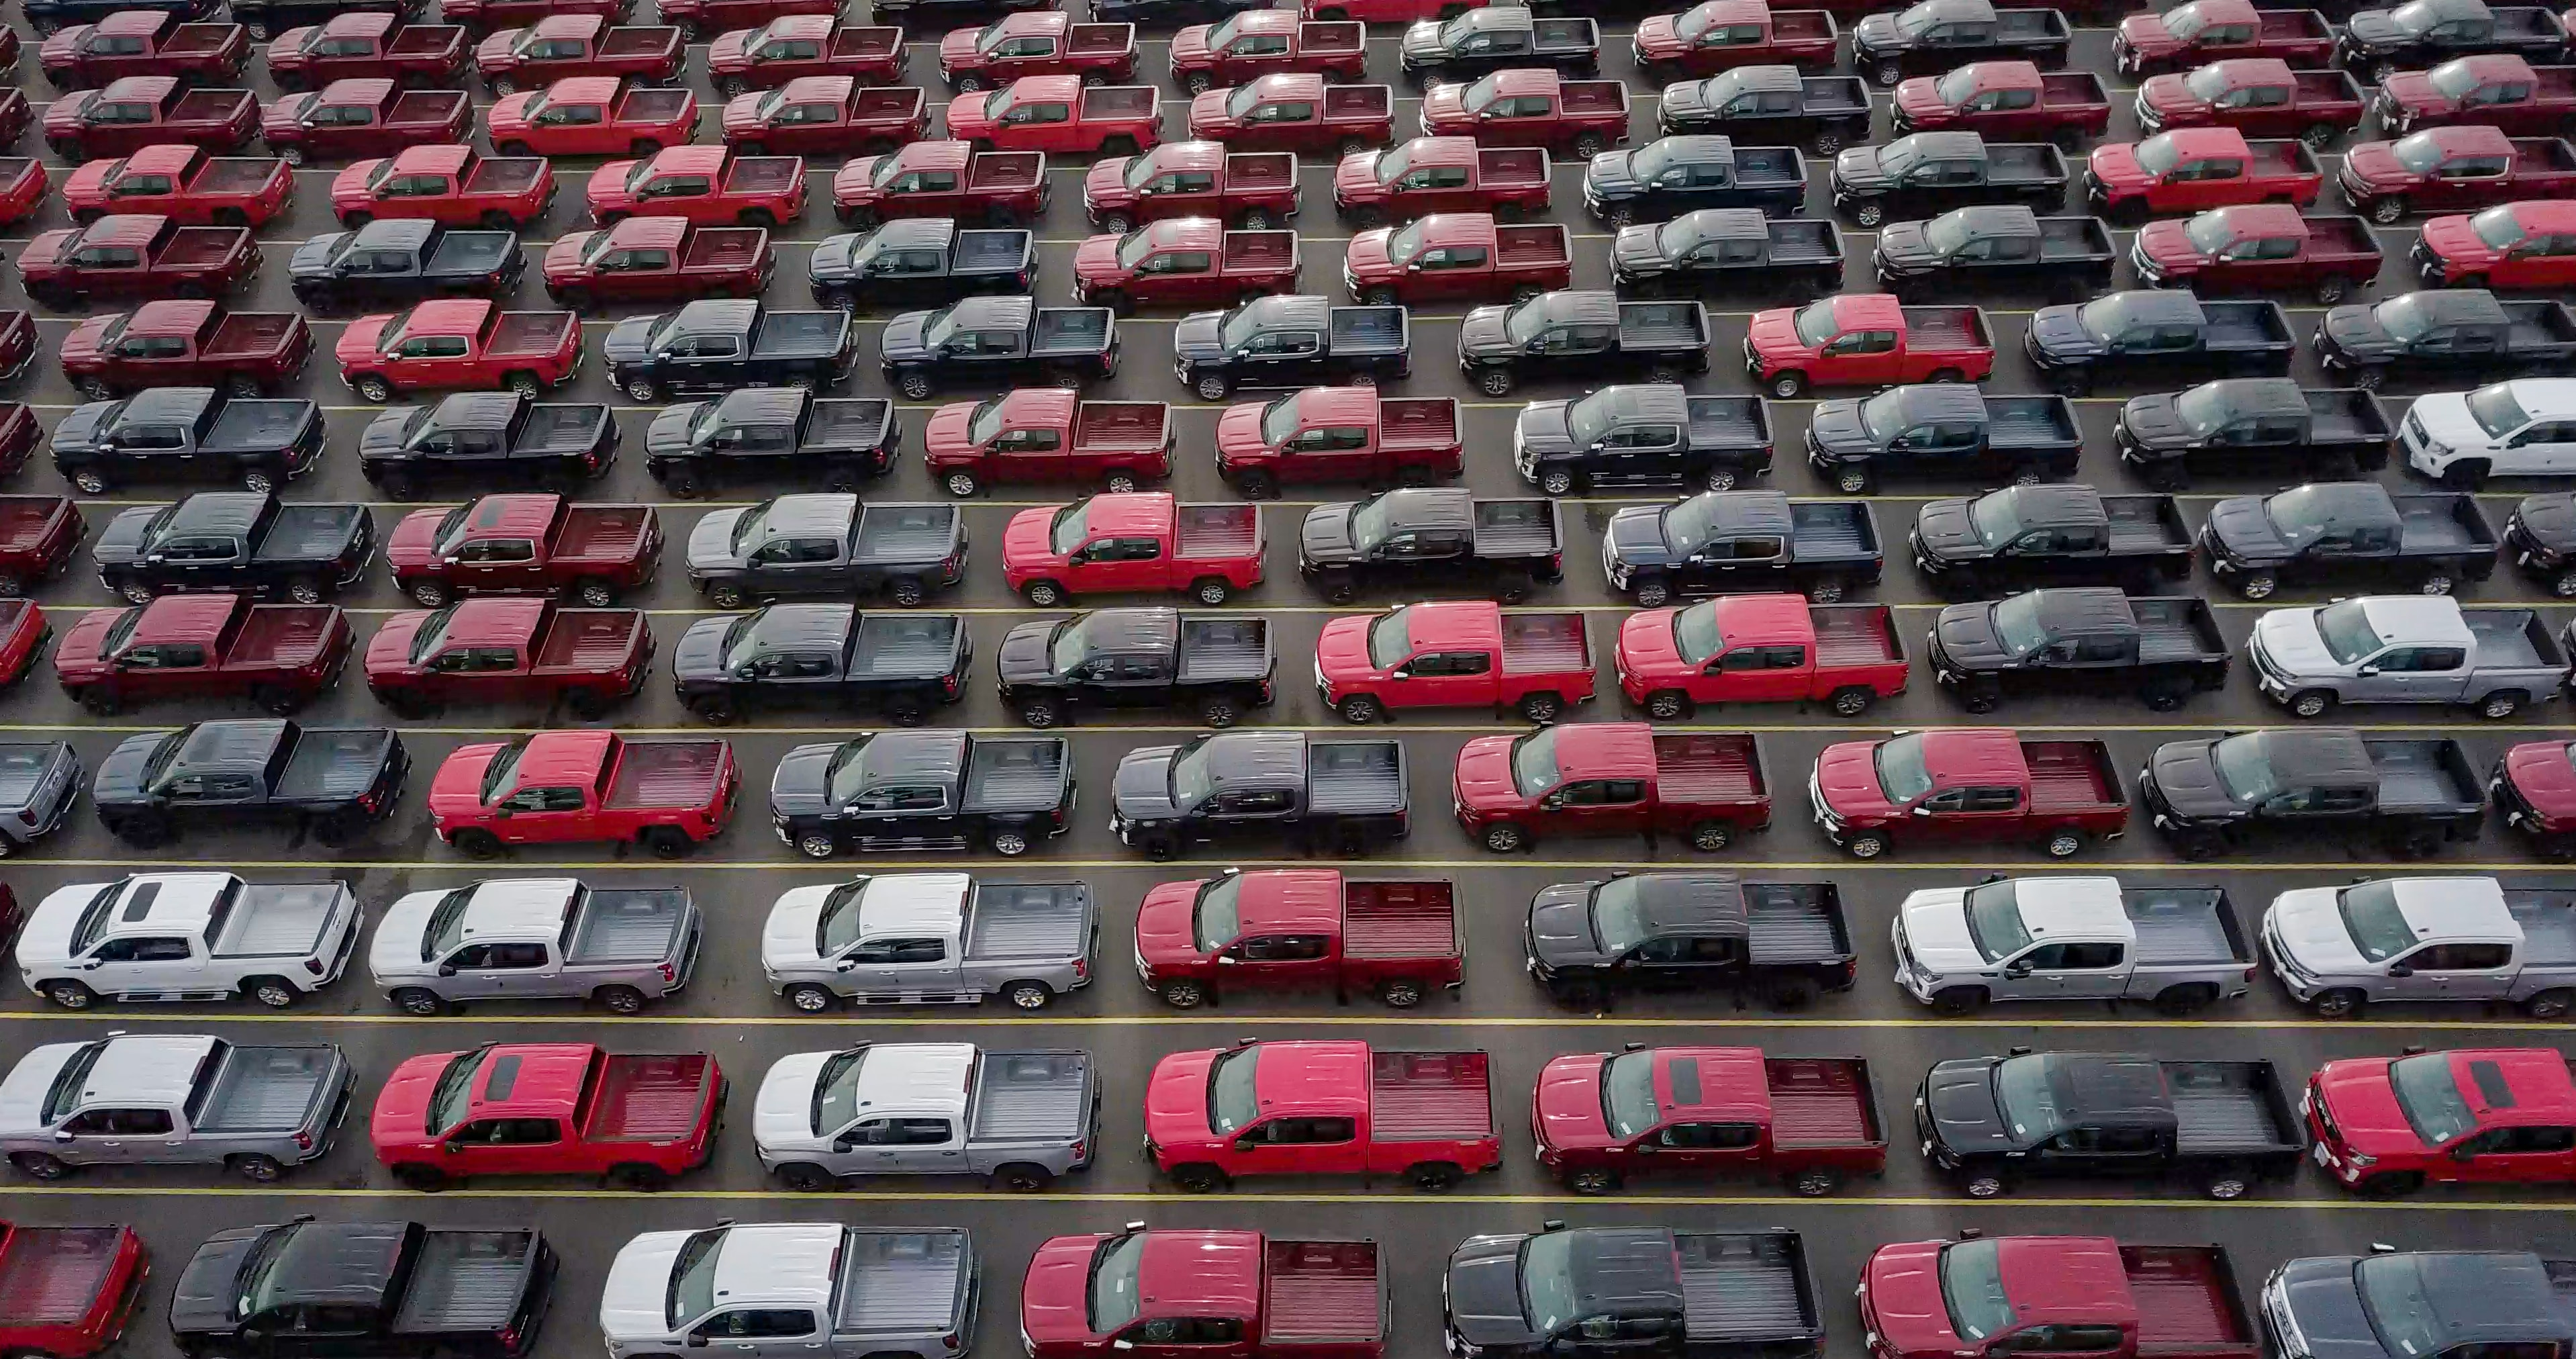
<point>1610,778</point>
<point>1321,434</point>
<point>1214,1115</point>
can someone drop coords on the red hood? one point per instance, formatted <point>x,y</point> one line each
<point>1238,432</point>
<point>414,541</point>
<point>1444,110</point>
<point>349,187</point>
<point>1208,118</point>
<point>2171,97</point>
<point>1105,183</point>
<point>1025,544</point>
<point>1176,1099</point>
<point>63,49</point>
<point>2363,1107</point>
<point>563,258</point>
<point>1095,261</point>
<point>401,1115</point>
<point>965,117</point>
<point>1189,47</point>
<point>63,115</point>
<point>2541,772</point>
<point>1566,1106</point>
<point>1365,255</point>
<point>1342,652</point>
<point>1658,37</point>
<point>2455,242</point>
<point>1904,1282</point>
<point>1920,99</point>
<point>1055,1297</point>
<point>1166,931</point>
<point>45,252</point>
<point>2412,92</point>
<point>495,52</point>
<point>509,114</point>
<point>851,184</point>
<point>2147,35</point>
<point>957,50</point>
<point>360,342</point>
<point>1775,331</point>
<point>1484,776</point>
<point>457,789</point>
<point>285,50</point>
<point>78,658</point>
<point>946,432</point>
<point>284,117</point>
<point>81,346</point>
<point>2116,164</point>
<point>89,180</point>
<point>742,113</point>
<point>389,651</point>
<point>607,187</point>
<point>1355,179</point>
<point>2164,242</point>
<point>1646,644</point>
<point>2376,166</point>
<point>725,53</point>
<point>1847,775</point>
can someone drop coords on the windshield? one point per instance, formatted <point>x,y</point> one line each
<point>2393,1298</point>
<point>847,772</point>
<point>1390,639</point>
<point>2157,154</point>
<point>1883,416</point>
<point>1072,528</point>
<point>446,925</point>
<point>1240,327</point>
<point>1242,100</point>
<point>1689,525</point>
<point>985,422</point>
<point>1993,911</point>
<point>1588,420</point>
<point>738,648</point>
<point>2454,79</point>
<point>1548,1290</point>
<point>2204,408</point>
<point>1680,236</point>
<point>2244,773</point>
<point>504,769</point>
<point>2208,82</point>
<point>2416,18</point>
<point>1996,518</point>
<point>1191,779</point>
<point>991,37</point>
<point>1218,917</point>
<point>1648,162</point>
<point>836,1090</point>
<point>1218,39</point>
<point>1695,632</point>
<point>2346,631</point>
<point>1902,776</point>
<point>1404,244</point>
<point>2209,232</point>
<point>2371,917</point>
<point>1523,323</point>
<point>837,927</point>
<point>1534,763</point>
<point>1069,645</point>
<point>1139,170</point>
<point>2419,153</point>
<point>1391,165</point>
<point>1618,915</point>
<point>1117,1290</point>
<point>2495,410</point>
<point>886,169</point>
<point>1972,1288</point>
<point>452,1095</point>
<point>998,102</point>
<point>1479,95</point>
<point>2026,1097</point>
<point>2429,1095</point>
<point>1232,1080</point>
<point>2298,514</point>
<point>2185,23</point>
<point>1279,420</point>
<point>1134,247</point>
<point>1815,323</point>
<point>693,1278</point>
<point>1628,1094</point>
<point>2405,318</point>
<point>769,106</point>
<point>1955,87</point>
<point>254,1295</point>
<point>1913,21</point>
<point>433,630</point>
<point>2016,623</point>
<point>749,528</point>
<point>941,325</point>
<point>1946,233</point>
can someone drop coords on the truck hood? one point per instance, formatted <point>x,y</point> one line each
<point>1610,175</point>
<point>699,654</point>
<point>2170,96</point>
<point>2058,332</point>
<point>401,1115</point>
<point>1325,537</point>
<point>2164,243</point>
<point>2413,92</point>
<point>1942,529</point>
<point>2146,35</point>
<point>361,341</point>
<point>63,48</point>
<point>1484,775</point>
<point>1022,657</point>
<point>1354,178</point>
<point>1966,633</point>
<point>742,114</point>
<point>64,115</point>
<point>1142,788</point>
<point>122,540</point>
<point>2454,241</point>
<point>1638,250</point>
<point>831,258</point>
<point>2308,925</point>
<point>78,433</point>
<point>283,120</point>
<point>2363,1106</point>
<point>1195,337</point>
<point>47,936</point>
<point>1917,99</point>
<point>1567,1103</point>
<point>2154,421</point>
<point>1166,928</point>
<point>394,951</point>
<point>202,1302</point>
<point>1481,333</point>
<point>1682,100</point>
<point>78,657</point>
<point>2539,770</point>
<point>1847,777</point>
<point>1238,431</point>
<point>957,49</point>
<point>1484,1291</point>
<point>946,430</point>
<point>725,53</point>
<point>313,258</point>
<point>783,1115</point>
<point>2355,330</point>
<point>47,251</point>
<point>668,435</point>
<point>1055,1298</point>
<point>965,117</point>
<point>1936,930</point>
<point>1176,1098</point>
<point>711,540</point>
<point>901,340</point>
<point>2244,533</point>
<point>1444,107</point>
<point>509,114</point>
<point>1646,642</point>
<point>1027,538</point>
<point>1341,653</point>
<point>2116,165</point>
<point>120,775</point>
<point>2324,1303</point>
<point>787,937</point>
<point>1903,245</point>
<point>1208,115</point>
<point>1422,39</point>
<point>1904,1286</point>
<point>800,785</point>
<point>1657,36</point>
<point>383,436</point>
<point>631,1299</point>
<point>23,1091</point>
<point>2289,637</point>
<point>1877,32</point>
<point>457,788</point>
<point>1105,183</point>
<point>1365,256</point>
<point>1636,534</point>
<point>2374,165</point>
<point>1545,427</point>
<point>414,541</point>
<point>349,187</point>
<point>2186,777</point>
<point>389,651</point>
<point>2370,29</point>
<point>1560,925</point>
<point>630,340</point>
<point>563,258</point>
<point>494,52</point>
<point>1775,331</point>
<point>1857,167</point>
<point>1959,1097</point>
<point>81,346</point>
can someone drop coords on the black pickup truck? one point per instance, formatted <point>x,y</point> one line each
<point>2540,536</point>
<point>1986,1122</point>
<point>771,434</point>
<point>238,542</point>
<point>1216,664</point>
<point>826,543</point>
<point>2408,796</point>
<point>1642,434</point>
<point>382,1288</point>
<point>923,261</point>
<point>330,782</point>
<point>1707,1295</point>
<point>2047,534</point>
<point>1341,797</point>
<point>924,790</point>
<point>1582,334</point>
<point>1770,106</point>
<point>986,342</point>
<point>404,260</point>
<point>1434,534</point>
<point>2163,649</point>
<point>1688,171</point>
<point>2159,331</point>
<point>488,440</point>
<point>1928,172</point>
<point>187,433</point>
<point>1996,245</point>
<point>2469,331</point>
<point>822,656</point>
<point>1729,250</point>
<point>1942,429</point>
<point>2247,425</point>
<point>2422,34</point>
<point>1289,340</point>
<point>1491,37</point>
<point>721,345</point>
<point>1935,35</point>
<point>2349,531</point>
<point>1740,542</point>
<point>1785,942</point>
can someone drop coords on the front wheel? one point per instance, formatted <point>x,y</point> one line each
<point>805,1179</point>
<point>817,845</point>
<point>38,1165</point>
<point>810,998</point>
<point>413,1000</point>
<point>2310,704</point>
<point>2341,1003</point>
<point>1866,845</point>
<point>1506,838</point>
<point>476,844</point>
<point>2390,1184</point>
<point>1198,1178</point>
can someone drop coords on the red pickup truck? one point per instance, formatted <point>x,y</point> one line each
<point>592,116</point>
<point>451,185</point>
<point>708,185</point>
<point>1037,43</point>
<point>651,258</point>
<point>2507,1112</point>
<point>2196,168</point>
<point>1600,1117</point>
<point>1188,261</point>
<point>1217,1114</point>
<point>524,545</point>
<point>1295,111</point>
<point>834,115</point>
<point>1255,189</point>
<point>184,184</point>
<point>2258,96</point>
<point>1531,107</point>
<point>1968,783</point>
<point>1045,434</point>
<point>793,45</point>
<point>2210,30</point>
<point>282,656</point>
<point>173,343</point>
<point>561,46</point>
<point>2136,1302</point>
<point>1320,434</point>
<point>363,118</point>
<point>1059,113</point>
<point>458,344</point>
<point>2515,245</point>
<point>24,629</point>
<point>941,179</point>
<point>420,661</point>
<point>2007,101</point>
<point>696,19</point>
<point>368,45</point>
<point>1387,11</point>
<point>1257,42</point>
<point>578,787</point>
<point>2258,247</point>
<point>1281,1299</point>
<point>144,42</point>
<point>1759,649</point>
<point>637,1120</point>
<point>39,535</point>
<point>1610,778</point>
<point>1298,929</point>
<point>1836,342</point>
<point>1457,255</point>
<point>482,16</point>
<point>141,111</point>
<point>2500,90</point>
<point>19,432</point>
<point>68,1291</point>
<point>1719,35</point>
<point>1133,543</point>
<point>1442,174</point>
<point>1454,654</point>
<point>23,185</point>
<point>136,256</point>
<point>2446,169</point>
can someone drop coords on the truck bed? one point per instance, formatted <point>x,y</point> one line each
<point>2024,163</point>
<point>1258,251</point>
<point>529,333</point>
<point>1833,96</point>
<point>333,763</point>
<point>1214,650</point>
<point>1121,424</point>
<point>1799,241</point>
<point>1515,528</point>
<point>1545,644</point>
<point>1499,167</point>
<point>2424,775</point>
<point>2069,240</point>
<point>264,1090</point>
<point>198,247</point>
<point>465,1281</point>
<point>234,175</point>
<point>1365,330</point>
<point>2022,24</point>
<point>723,248</point>
<point>992,171</point>
<point>2441,523</point>
<point>1764,166</point>
<point>1744,1286</point>
<point>2172,629</point>
<point>1028,920</point>
<point>2029,421</point>
<point>1430,1096</point>
<point>1794,922</point>
<point>2184,926</point>
<point>282,921</point>
<point>463,254</point>
<point>2225,1107</point>
<point>2145,524</point>
<point>1708,768</point>
<point>1831,530</point>
<point>201,107</point>
<point>1015,774</point>
<point>628,925</point>
<point>2539,324</point>
<point>308,533</point>
<point>283,636</point>
<point>848,423</point>
<point>660,774</point>
<point>1821,1102</point>
<point>2548,921</point>
<point>988,252</point>
<point>900,1282</point>
<point>904,645</point>
<point>1577,98</point>
<point>1945,328</point>
<point>1531,245</point>
<point>1070,332</point>
<point>2514,639</point>
<point>2071,776</point>
<point>1355,778</point>
<point>1855,634</point>
<point>2344,416</point>
<point>1726,421</point>
<point>1417,422</point>
<point>1323,1292</point>
<point>758,175</point>
<point>798,334</point>
<point>587,641</point>
<point>2186,1298</point>
<point>2229,325</point>
<point>650,105</point>
<point>1031,1097</point>
<point>1216,531</point>
<point>601,533</point>
<point>26,520</point>
<point>905,534</point>
<point>648,1096</point>
<point>248,426</point>
<point>502,175</point>
<point>427,108</point>
<point>248,335</point>
<point>50,1276</point>
<point>1394,921</point>
<point>1353,103</point>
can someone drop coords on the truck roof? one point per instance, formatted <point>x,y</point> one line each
<point>1338,406</point>
<point>2088,907</point>
<point>518,908</point>
<point>1758,620</point>
<point>516,515</point>
<point>2515,1087</point>
<point>1580,306</point>
<point>169,316</point>
<point>169,405</point>
<point>2102,1089</point>
<point>430,160</point>
<point>449,316</point>
<point>2190,142</point>
<point>1947,145</point>
<point>910,905</point>
<point>231,744</point>
<point>1111,631</point>
<point>909,232</point>
<point>1875,311</point>
<point>186,618</point>
<point>2429,619</point>
<point>131,23</point>
<point>394,233</point>
<point>1646,402</point>
<point>1453,625</point>
<point>1191,1273</point>
<point>2323,755</point>
<point>1522,80</point>
<point>1290,901</point>
<point>1765,77</point>
<point>164,903</point>
<point>563,758</point>
<point>2471,139</point>
<point>777,1263</point>
<point>134,229</point>
<point>1183,233</point>
<point>796,627</point>
<point>819,89</point>
<point>487,621</point>
<point>162,158</point>
<point>1721,1085</point>
<point>938,155</point>
<point>348,1263</point>
<point>1293,311</point>
<point>1288,85</point>
<point>146,1069</point>
<point>2084,608</point>
<point>2452,908</point>
<point>987,310</point>
<point>583,90</point>
<point>536,1079</point>
<point>1697,905</point>
<point>1137,513</point>
<point>361,24</point>
<point>824,513</point>
<point>477,410</point>
<point>140,90</point>
<point>369,90</point>
<point>575,25</point>
<point>1328,1076</point>
<point>2065,1279</point>
<point>2542,216</point>
<point>663,233</point>
<point>2264,219</point>
<point>1047,89</point>
<point>1604,750</point>
<point>1194,155</point>
<point>763,405</point>
<point>915,1076</point>
<point>1975,754</point>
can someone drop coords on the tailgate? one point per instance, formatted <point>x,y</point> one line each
<point>649,1096</point>
<point>1430,1096</point>
<point>1044,920</point>
<point>466,1281</point>
<point>665,774</point>
<point>1323,1292</point>
<point>1397,921</point>
<point>589,641</point>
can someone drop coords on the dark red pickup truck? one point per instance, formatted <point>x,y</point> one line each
<point>1600,1117</point>
<point>941,179</point>
<point>592,116</point>
<point>1971,784</point>
<point>529,544</point>
<point>669,797</point>
<point>450,185</point>
<point>1719,35</point>
<point>39,534</point>
<point>2502,91</point>
<point>697,19</point>
<point>1442,174</point>
<point>1059,113</point>
<point>141,111</point>
<point>1427,1117</point>
<point>1037,42</point>
<point>1610,778</point>
<point>183,183</point>
<point>420,661</point>
<point>1046,435</point>
<point>1295,111</point>
<point>1475,257</point>
<point>1188,261</point>
<point>280,655</point>
<point>794,45</point>
<point>23,185</point>
<point>1261,931</point>
<point>368,45</point>
<point>1462,653</point>
<point>1256,189</point>
<point>419,350</point>
<point>482,16</point>
<point>1258,42</point>
<point>2259,247</point>
<point>2007,101</point>
<point>708,185</point>
<point>2453,169</point>
<point>363,118</point>
<point>652,258</point>
<point>2258,96</point>
<point>171,343</point>
<point>1759,649</point>
<point>68,1291</point>
<point>144,42</point>
<point>826,115</point>
<point>137,256</point>
<point>562,46</point>
<point>2209,30</point>
<point>1531,107</point>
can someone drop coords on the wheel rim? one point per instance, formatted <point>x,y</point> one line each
<point>815,846</point>
<point>1029,998</point>
<point>1182,995</point>
<point>1401,994</point>
<point>1984,1189</point>
<point>1008,843</point>
<point>1868,847</point>
<point>810,999</point>
<point>275,997</point>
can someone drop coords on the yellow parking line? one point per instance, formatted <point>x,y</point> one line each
<point>1175,1196</point>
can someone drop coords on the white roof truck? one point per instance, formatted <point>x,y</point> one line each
<point>1021,1118</point>
<point>2405,649</point>
<point>2069,939</point>
<point>2424,939</point>
<point>783,1290</point>
<point>187,936</point>
<point>2522,428</point>
<point>929,938</point>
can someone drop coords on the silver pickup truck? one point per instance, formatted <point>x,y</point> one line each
<point>187,936</point>
<point>876,1291</point>
<point>929,938</point>
<point>2405,649</point>
<point>2424,939</point>
<point>1958,948</point>
<point>1021,1118</point>
<point>536,938</point>
<point>39,782</point>
<point>171,1099</point>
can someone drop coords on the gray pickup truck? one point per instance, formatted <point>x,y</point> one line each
<point>826,544</point>
<point>40,782</point>
<point>536,939</point>
<point>2405,649</point>
<point>2337,949</point>
<point>1958,948</point>
<point>172,1099</point>
<point>927,939</point>
<point>1023,1119</point>
<point>877,1291</point>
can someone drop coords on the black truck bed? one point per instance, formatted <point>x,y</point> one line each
<point>1015,774</point>
<point>851,422</point>
<point>1214,650</point>
<point>562,428</point>
<point>799,334</point>
<point>308,533</point>
<point>1831,96</point>
<point>2145,523</point>
<point>1798,241</point>
<point>1366,330</point>
<point>1355,778</point>
<point>1728,422</point>
<point>2337,416</point>
<point>469,254</point>
<point>1760,166</point>
<point>2223,1108</point>
<point>1515,528</point>
<point>2173,629</point>
<point>2024,163</point>
<point>333,763</point>
<point>2442,523</point>
<point>1070,331</point>
<point>1744,1286</point>
<point>989,252</point>
<point>905,535</point>
<point>2538,325</point>
<point>2017,421</point>
<point>255,426</point>
<point>1662,326</point>
<point>1831,530</point>
<point>2426,775</point>
<point>465,1281</point>
<point>2068,240</point>
<point>1794,922</point>
<point>905,646</point>
<point>2240,324</point>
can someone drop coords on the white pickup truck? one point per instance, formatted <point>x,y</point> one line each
<point>187,936</point>
<point>2337,949</point>
<point>1022,1118</point>
<point>1958,948</point>
<point>882,1292</point>
<point>929,938</point>
<point>536,939</point>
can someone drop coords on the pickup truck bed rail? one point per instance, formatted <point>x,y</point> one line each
<point>1820,1103</point>
<point>1708,767</point>
<point>284,922</point>
<point>1208,532</point>
<point>1788,923</point>
<point>628,925</point>
<point>1024,920</point>
<point>587,641</point>
<point>1321,1292</point>
<point>1430,1096</point>
<point>1726,420</point>
<point>2414,775</point>
<point>2186,926</point>
<point>464,1281</point>
<point>665,774</point>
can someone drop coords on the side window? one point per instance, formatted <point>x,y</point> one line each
<point>1710,1136</point>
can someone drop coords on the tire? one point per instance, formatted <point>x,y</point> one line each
<point>1010,842</point>
<point>916,385</point>
<point>1119,483</point>
<point>1495,382</point>
<point>503,87</point>
<point>1043,594</point>
<point>420,1001</point>
<point>1815,1183</point>
<point>2550,1004</point>
<point>1212,387</point>
<point>1020,1177</point>
<point>1360,710</point>
<point>1790,994</point>
<point>725,594</point>
<point>619,1000</point>
<point>399,486</point>
<point>666,842</point>
<point>1983,1186</point>
<point>1198,1177</point>
<point>2386,211</point>
<point>1541,708</point>
<point>2340,1003</point>
<point>1870,214</point>
<point>2227,1186</point>
<point>2311,704</point>
<point>2318,136</point>
<point>1592,1183</point>
<point>38,1165</point>
<point>373,388</point>
<point>1590,144</point>
<point>1434,1177</point>
<point>1888,75</point>
<point>1183,995</point>
<point>1651,593</point>
<point>2258,585</point>
<point>644,390</point>
<point>2468,474</point>
<point>817,845</point>
<point>1789,386</point>
<point>1041,713</point>
<point>429,594</point>
<point>95,389</point>
<point>277,993</point>
<point>1954,375</point>
<point>1710,837</point>
<point>2501,704</point>
<point>1557,481</point>
<point>304,590</point>
<point>1218,713</point>
<point>906,592</point>
<point>1959,1000</point>
<point>2063,844</point>
<point>1504,837</point>
<point>515,149</point>
<point>2438,583</point>
<point>1851,700</point>
<point>2329,291</point>
<point>1867,845</point>
<point>1198,83</point>
<point>277,702</point>
<point>420,1179</point>
<point>810,998</point>
<point>69,995</point>
<point>1402,993</point>
<point>641,1178</point>
<point>1827,143</point>
<point>1668,705</point>
<point>1719,479</point>
<point>12,585</point>
<point>2389,1184</point>
<point>1211,590</point>
<point>475,843</point>
<point>1027,995</point>
<point>2177,1001</point>
<point>802,1178</point>
<point>144,830</point>
<point>256,1168</point>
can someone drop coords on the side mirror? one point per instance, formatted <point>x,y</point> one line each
<point>1644,1148</point>
<point>447,969</point>
<point>2464,1152</point>
<point>843,1144</point>
<point>1227,960</point>
<point>1551,802</point>
<point>1122,1344</point>
<point>696,1342</point>
<point>62,1134</point>
<point>1922,811</point>
<point>1244,1144</point>
<point>845,964</point>
<point>2400,970</point>
<point>2367,671</point>
<point>2017,971</point>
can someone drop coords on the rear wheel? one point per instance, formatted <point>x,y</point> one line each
<point>1020,1177</point>
<point>2550,1004</point>
<point>1026,994</point>
<point>1851,700</point>
<point>1815,1183</point>
<point>2501,704</point>
<point>2227,1186</point>
<point>666,842</point>
<point>1402,993</point>
<point>1435,1177</point>
<point>277,993</point>
<point>1211,591</point>
<point>2063,844</point>
<point>256,1168</point>
<point>1219,713</point>
<point>639,1177</point>
<point>2184,1000</point>
<point>1708,837</point>
<point>619,1000</point>
<point>1541,708</point>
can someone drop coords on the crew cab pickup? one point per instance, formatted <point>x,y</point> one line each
<point>1256,189</point>
<point>2466,165</point>
<point>1722,541</point>
<point>542,937</point>
<point>1721,1294</point>
<point>172,344</point>
<point>2505,1106</point>
<point>2251,421</point>
<point>186,936</point>
<point>1218,665</point>
<point>2342,530</point>
<point>450,185</point>
<point>922,260</point>
<point>1935,171</point>
<point>2540,537</point>
<point>793,45</point>
<point>524,544</point>
<point>2410,37</point>
<point>462,342</point>
<point>1958,949</point>
<point>2258,247</point>
<point>1981,248</point>
<point>1037,42</point>
<point>2515,245</point>
<point>827,114</point>
<point>1045,435</point>
<point>39,534</point>
<point>763,433</point>
<point>1865,340</point>
<point>1727,251</point>
<point>865,1287</point>
<point>826,543</point>
<point>1254,43</point>
<point>404,261</point>
<point>1687,171</point>
<point>560,46</point>
<point>136,256</point>
<point>1260,931</point>
<point>1719,35</point>
<point>1284,1297</point>
<point>395,1287</point>
<point>1058,114</point>
<point>2162,649</point>
<point>869,941</point>
<point>1456,255</point>
<point>484,16</point>
<point>1534,106</point>
<point>902,665</point>
<point>568,787</point>
<point>2441,330</point>
<point>591,116</point>
<point>143,42</point>
<point>2154,331</point>
<point>71,1291</point>
<point>1425,1117</point>
<point>2006,100</point>
<point>2163,1302</point>
<point>1942,429</point>
<point>255,1111</point>
<point>2502,91</point>
<point>2336,949</point>
<point>140,111</point>
<point>2217,797</point>
<point>1759,649</point>
<point>1495,37</point>
<point>923,790</point>
<point>697,20</point>
<point>1769,105</point>
<point>367,45</point>
<point>280,656</point>
<point>996,340</point>
<point>2195,168</point>
<point>2258,96</point>
<point>1930,37</point>
<point>1610,778</point>
<point>1294,111</point>
<point>710,346</point>
<point>1349,796</point>
<point>1289,341</point>
<point>1501,548</point>
<point>1783,942</point>
<point>1052,553</point>
<point>1021,1119</point>
<point>363,118</point>
<point>655,258</point>
<point>184,183</point>
<point>235,542</point>
<point>636,1120</point>
<point>1647,434</point>
<point>709,185</point>
<point>2213,30</point>
<point>1967,783</point>
<point>1184,260</point>
<point>2402,649</point>
<point>938,179</point>
<point>1441,174</point>
<point>1460,654</point>
<point>509,650</point>
<point>2048,533</point>
<point>1987,1122</point>
<point>1600,1117</point>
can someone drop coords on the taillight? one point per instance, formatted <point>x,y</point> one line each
<point>303,1141</point>
<point>508,1336</point>
<point>1080,1148</point>
<point>2249,972</point>
<point>1081,968</point>
<point>670,971</point>
<point>948,1341</point>
<point>948,685</point>
<point>313,965</point>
